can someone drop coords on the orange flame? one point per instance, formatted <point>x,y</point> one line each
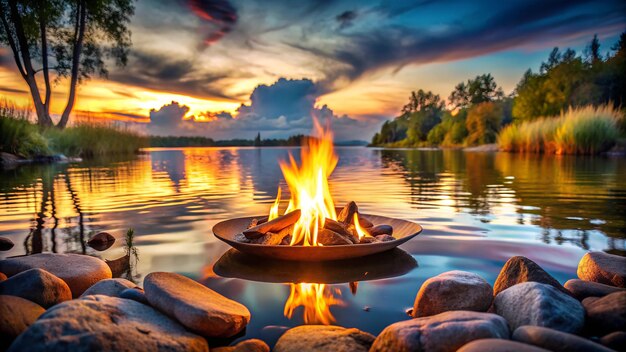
<point>274,209</point>
<point>359,230</point>
<point>308,185</point>
<point>316,299</point>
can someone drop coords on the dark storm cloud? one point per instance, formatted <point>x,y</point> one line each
<point>219,14</point>
<point>515,25</point>
<point>346,18</point>
<point>160,72</point>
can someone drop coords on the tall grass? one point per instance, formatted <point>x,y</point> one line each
<point>17,135</point>
<point>584,130</point>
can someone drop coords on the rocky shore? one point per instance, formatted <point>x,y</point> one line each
<point>70,302</point>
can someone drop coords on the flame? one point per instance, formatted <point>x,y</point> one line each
<point>308,185</point>
<point>316,299</point>
<point>274,209</point>
<point>359,230</point>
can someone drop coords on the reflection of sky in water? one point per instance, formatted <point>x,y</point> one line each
<point>477,211</point>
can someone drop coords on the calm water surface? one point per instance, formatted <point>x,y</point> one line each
<point>477,210</point>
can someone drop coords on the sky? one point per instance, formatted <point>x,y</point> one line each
<point>231,69</point>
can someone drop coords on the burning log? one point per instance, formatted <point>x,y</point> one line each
<point>366,224</point>
<point>368,239</point>
<point>274,238</point>
<point>275,225</point>
<point>347,213</point>
<point>341,229</point>
<point>381,230</point>
<point>327,237</point>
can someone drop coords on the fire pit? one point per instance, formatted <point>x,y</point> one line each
<point>311,228</point>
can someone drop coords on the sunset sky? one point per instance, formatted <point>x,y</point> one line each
<point>194,63</point>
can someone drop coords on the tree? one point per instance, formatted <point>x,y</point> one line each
<point>78,35</point>
<point>593,50</point>
<point>257,140</point>
<point>483,123</point>
<point>422,100</point>
<point>481,89</point>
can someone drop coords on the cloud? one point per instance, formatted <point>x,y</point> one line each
<point>279,110</point>
<point>219,16</point>
<point>346,18</point>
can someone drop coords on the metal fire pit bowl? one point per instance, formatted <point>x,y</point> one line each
<point>402,230</point>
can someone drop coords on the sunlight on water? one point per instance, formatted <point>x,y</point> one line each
<point>477,209</point>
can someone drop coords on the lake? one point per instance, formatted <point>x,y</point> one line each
<point>477,210</point>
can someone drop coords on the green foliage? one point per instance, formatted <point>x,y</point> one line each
<point>481,89</point>
<point>483,123</point>
<point>17,135</point>
<point>172,141</point>
<point>88,140</point>
<point>586,130</point>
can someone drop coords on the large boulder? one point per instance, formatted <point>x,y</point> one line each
<point>194,305</point>
<point>252,345</point>
<point>136,294</point>
<point>499,345</point>
<point>103,323</point>
<point>310,338</point>
<point>521,269</point>
<point>607,314</point>
<point>533,303</point>
<point>109,287</point>
<point>442,332</point>
<point>38,286</point>
<point>452,290</point>
<point>582,289</point>
<point>16,315</point>
<point>79,271</point>
<point>602,267</point>
<point>554,340</point>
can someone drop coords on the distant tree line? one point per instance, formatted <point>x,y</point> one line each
<point>476,110</point>
<point>174,141</point>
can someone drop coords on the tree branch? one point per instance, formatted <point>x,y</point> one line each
<point>78,47</point>
<point>44,58</point>
<point>13,45</point>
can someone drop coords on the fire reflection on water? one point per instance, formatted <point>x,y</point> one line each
<point>316,300</point>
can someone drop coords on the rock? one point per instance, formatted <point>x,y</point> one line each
<point>498,345</point>
<point>8,161</point>
<point>607,314</point>
<point>331,238</point>
<point>194,305</point>
<point>385,238</point>
<point>102,323</point>
<point>603,268</point>
<point>581,289</point>
<point>381,230</point>
<point>554,340</point>
<point>5,244</point>
<point>38,286</point>
<point>615,340</point>
<point>312,338</point>
<point>520,269</point>
<point>16,315</point>
<point>79,271</point>
<point>2,277</point>
<point>136,294</point>
<point>101,241</point>
<point>109,287</point>
<point>452,290</point>
<point>442,332</point>
<point>533,303</point>
<point>252,345</point>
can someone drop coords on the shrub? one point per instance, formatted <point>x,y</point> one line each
<point>17,135</point>
<point>483,123</point>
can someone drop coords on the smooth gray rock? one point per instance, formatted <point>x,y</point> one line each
<point>38,286</point>
<point>312,338</point>
<point>252,345</point>
<point>79,271</point>
<point>136,294</point>
<point>533,303</point>
<point>607,314</point>
<point>604,268</point>
<point>194,305</point>
<point>16,315</point>
<point>499,345</point>
<point>452,290</point>
<point>442,332</point>
<point>103,323</point>
<point>582,289</point>
<point>5,244</point>
<point>520,269</point>
<point>109,287</point>
<point>554,340</point>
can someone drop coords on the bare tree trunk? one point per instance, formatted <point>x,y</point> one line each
<point>44,61</point>
<point>78,46</point>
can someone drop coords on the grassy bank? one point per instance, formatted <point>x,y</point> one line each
<point>21,137</point>
<point>585,130</point>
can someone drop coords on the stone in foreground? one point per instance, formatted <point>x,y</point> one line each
<point>194,305</point>
<point>79,271</point>
<point>16,315</point>
<point>615,340</point>
<point>603,268</point>
<point>532,303</point>
<point>443,332</point>
<point>312,338</point>
<point>252,345</point>
<point>607,314</point>
<point>3,277</point>
<point>37,285</point>
<point>499,345</point>
<point>102,323</point>
<point>452,290</point>
<point>136,294</point>
<point>520,269</point>
<point>5,244</point>
<point>554,340</point>
<point>581,289</point>
<point>109,287</point>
